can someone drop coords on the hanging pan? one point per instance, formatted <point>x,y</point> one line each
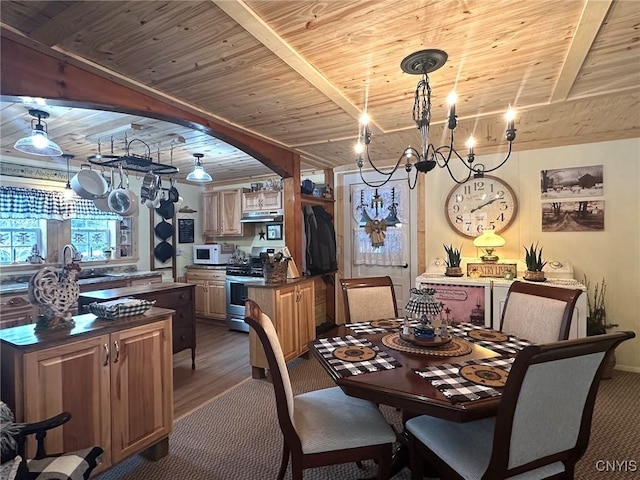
<point>122,200</point>
<point>164,230</point>
<point>88,183</point>
<point>102,202</point>
<point>163,251</point>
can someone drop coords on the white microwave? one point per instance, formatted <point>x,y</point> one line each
<point>214,254</point>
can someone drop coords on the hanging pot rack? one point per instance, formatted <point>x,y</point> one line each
<point>133,161</point>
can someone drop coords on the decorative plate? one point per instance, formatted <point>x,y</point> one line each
<point>387,323</point>
<point>354,353</point>
<point>425,342</point>
<point>489,335</point>
<point>484,375</point>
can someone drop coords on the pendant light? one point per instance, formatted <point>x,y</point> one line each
<point>198,174</point>
<point>38,142</point>
<point>68,191</point>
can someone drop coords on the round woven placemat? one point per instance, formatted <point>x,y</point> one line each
<point>350,353</point>
<point>489,335</point>
<point>484,375</point>
<point>388,323</point>
<point>454,348</point>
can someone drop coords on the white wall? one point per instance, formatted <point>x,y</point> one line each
<point>613,253</point>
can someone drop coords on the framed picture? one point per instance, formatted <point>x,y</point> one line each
<point>274,231</point>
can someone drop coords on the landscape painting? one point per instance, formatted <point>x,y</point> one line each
<point>572,182</point>
<point>579,216</point>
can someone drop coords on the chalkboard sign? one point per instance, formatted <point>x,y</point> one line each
<point>185,230</point>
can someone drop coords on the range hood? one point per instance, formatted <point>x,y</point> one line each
<point>262,216</point>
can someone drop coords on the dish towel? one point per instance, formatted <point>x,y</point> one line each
<point>456,388</point>
<point>382,360</point>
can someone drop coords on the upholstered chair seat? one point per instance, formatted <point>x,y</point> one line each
<point>370,298</point>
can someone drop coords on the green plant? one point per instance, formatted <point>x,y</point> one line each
<point>596,311</point>
<point>453,255</point>
<point>533,258</point>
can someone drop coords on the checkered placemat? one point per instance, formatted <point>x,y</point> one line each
<point>382,360</point>
<point>508,347</point>
<point>365,328</point>
<point>446,378</point>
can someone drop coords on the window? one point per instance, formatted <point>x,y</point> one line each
<point>19,238</point>
<point>93,237</point>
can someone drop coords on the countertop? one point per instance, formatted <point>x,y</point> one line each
<point>206,267</point>
<point>23,287</point>
<point>113,293</point>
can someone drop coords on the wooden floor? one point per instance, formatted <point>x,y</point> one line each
<point>222,361</point>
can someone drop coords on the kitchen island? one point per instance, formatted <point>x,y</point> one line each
<point>115,377</point>
<point>291,307</point>
<point>176,296</point>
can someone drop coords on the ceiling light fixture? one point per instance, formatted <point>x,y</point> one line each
<point>38,142</point>
<point>198,174</point>
<point>68,191</point>
<point>422,63</point>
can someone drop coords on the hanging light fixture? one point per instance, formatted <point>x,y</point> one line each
<point>422,63</point>
<point>198,174</point>
<point>68,191</point>
<point>38,142</point>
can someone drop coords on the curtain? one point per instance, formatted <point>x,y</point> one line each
<point>394,198</point>
<point>16,202</point>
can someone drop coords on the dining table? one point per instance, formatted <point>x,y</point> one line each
<point>419,380</point>
<point>374,361</point>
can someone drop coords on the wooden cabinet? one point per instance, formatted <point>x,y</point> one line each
<point>210,293</point>
<point>291,307</point>
<point>266,200</point>
<point>176,296</point>
<point>15,310</point>
<point>115,378</point>
<point>222,211</point>
<point>134,282</point>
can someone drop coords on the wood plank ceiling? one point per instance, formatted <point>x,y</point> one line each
<point>298,73</point>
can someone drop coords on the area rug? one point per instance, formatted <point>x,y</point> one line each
<point>236,435</point>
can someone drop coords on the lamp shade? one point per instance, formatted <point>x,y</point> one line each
<point>199,175</point>
<point>421,302</point>
<point>38,142</point>
<point>489,239</point>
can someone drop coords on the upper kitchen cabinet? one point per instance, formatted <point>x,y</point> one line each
<point>265,200</point>
<point>221,213</point>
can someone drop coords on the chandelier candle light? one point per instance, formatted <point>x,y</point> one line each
<point>422,63</point>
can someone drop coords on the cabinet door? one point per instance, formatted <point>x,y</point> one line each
<point>231,212</point>
<point>271,200</point>
<point>286,306</point>
<point>217,300</point>
<point>252,202</point>
<point>73,378</point>
<point>141,387</point>
<point>306,315</point>
<point>202,299</point>
<point>210,217</point>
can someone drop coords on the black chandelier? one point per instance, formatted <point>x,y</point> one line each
<point>422,63</point>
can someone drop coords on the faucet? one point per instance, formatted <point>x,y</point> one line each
<point>76,256</point>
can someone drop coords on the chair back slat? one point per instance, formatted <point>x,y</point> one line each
<point>370,298</point>
<point>538,313</point>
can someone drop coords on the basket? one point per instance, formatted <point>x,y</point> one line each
<point>123,307</point>
<point>275,272</point>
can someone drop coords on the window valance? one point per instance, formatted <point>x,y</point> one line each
<point>17,202</point>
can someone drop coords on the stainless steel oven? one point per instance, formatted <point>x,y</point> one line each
<point>236,292</point>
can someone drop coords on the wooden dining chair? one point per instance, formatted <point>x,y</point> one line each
<point>538,313</point>
<point>543,423</point>
<point>369,298</point>
<point>322,427</point>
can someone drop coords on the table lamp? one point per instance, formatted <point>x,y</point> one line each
<point>422,303</point>
<point>488,241</point>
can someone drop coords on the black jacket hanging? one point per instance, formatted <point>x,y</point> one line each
<point>321,241</point>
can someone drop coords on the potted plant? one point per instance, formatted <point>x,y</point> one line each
<point>597,319</point>
<point>533,260</point>
<point>453,261</point>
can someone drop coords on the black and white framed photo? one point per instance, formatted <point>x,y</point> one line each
<point>274,231</point>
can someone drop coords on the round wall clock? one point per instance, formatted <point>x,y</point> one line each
<point>479,204</point>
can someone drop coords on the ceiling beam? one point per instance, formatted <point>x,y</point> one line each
<point>587,29</point>
<point>240,12</point>
<point>28,72</point>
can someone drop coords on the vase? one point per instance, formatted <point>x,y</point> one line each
<point>453,272</point>
<point>534,276</point>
